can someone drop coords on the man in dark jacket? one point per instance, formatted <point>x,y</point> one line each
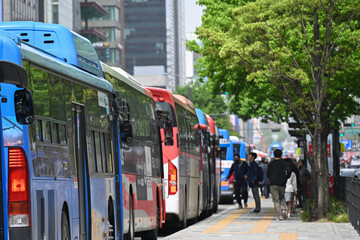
<point>240,170</point>
<point>265,182</point>
<point>304,176</point>
<point>278,173</point>
<point>253,178</point>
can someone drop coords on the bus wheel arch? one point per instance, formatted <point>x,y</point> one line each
<point>111,219</point>
<point>131,232</point>
<point>65,223</point>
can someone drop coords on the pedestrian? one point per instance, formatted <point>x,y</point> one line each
<point>290,191</point>
<point>240,170</point>
<point>304,176</point>
<point>265,183</point>
<point>253,179</point>
<point>278,172</point>
<point>294,169</point>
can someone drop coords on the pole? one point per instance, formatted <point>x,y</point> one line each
<point>336,152</point>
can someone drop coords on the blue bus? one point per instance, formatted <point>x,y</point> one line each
<point>60,162</point>
<point>239,147</point>
<point>226,158</point>
<point>273,147</point>
<point>206,175</point>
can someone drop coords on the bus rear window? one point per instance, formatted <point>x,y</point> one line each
<point>12,132</point>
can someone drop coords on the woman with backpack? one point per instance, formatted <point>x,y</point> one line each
<point>253,178</point>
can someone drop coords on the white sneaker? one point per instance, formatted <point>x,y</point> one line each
<point>288,215</point>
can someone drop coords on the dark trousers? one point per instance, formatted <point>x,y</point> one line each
<point>240,190</point>
<point>255,192</point>
<point>303,196</point>
<point>266,190</point>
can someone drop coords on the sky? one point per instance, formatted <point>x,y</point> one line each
<point>193,14</point>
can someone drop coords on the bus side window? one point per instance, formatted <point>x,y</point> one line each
<point>98,152</point>
<point>55,132</point>
<point>103,153</point>
<point>92,151</point>
<point>62,134</point>
<point>108,154</point>
<point>46,131</point>
<point>39,135</point>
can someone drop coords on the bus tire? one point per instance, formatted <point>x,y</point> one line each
<point>131,233</point>
<point>65,226</point>
<point>153,234</point>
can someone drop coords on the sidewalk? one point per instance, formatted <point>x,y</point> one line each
<point>233,224</point>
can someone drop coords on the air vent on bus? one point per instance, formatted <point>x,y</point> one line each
<point>58,41</point>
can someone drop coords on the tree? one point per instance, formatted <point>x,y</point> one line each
<point>209,103</point>
<point>286,58</point>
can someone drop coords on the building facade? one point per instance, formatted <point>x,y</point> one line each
<point>26,10</point>
<point>106,30</point>
<point>155,42</point>
<point>49,11</point>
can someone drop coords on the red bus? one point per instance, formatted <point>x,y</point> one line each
<point>181,159</point>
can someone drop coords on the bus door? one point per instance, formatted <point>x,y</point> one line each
<point>82,170</point>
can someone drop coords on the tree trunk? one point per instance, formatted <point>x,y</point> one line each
<point>321,180</point>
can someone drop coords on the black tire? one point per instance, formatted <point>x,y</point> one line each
<point>153,234</point>
<point>65,227</point>
<point>131,233</point>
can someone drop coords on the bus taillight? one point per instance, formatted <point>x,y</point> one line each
<point>19,189</point>
<point>172,178</point>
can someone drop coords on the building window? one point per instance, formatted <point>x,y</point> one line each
<point>109,56</point>
<point>55,11</point>
<point>113,13</point>
<point>113,34</point>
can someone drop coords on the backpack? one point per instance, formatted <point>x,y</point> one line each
<point>261,174</point>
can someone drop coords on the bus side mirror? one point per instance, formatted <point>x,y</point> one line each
<point>125,109</point>
<point>126,133</point>
<point>168,131</point>
<point>166,123</point>
<point>24,109</point>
